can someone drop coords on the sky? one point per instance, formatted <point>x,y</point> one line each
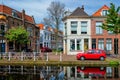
<point>38,8</point>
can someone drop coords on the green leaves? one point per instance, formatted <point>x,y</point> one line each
<point>112,23</point>
<point>17,34</point>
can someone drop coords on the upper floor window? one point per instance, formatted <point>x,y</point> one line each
<point>74,27</point>
<point>30,31</point>
<point>99,30</point>
<point>2,30</point>
<point>104,12</point>
<point>110,32</point>
<point>65,29</point>
<point>84,27</point>
<point>14,13</point>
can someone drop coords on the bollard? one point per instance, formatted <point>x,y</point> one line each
<point>21,56</point>
<point>47,57</point>
<point>34,56</point>
<point>60,56</point>
<point>9,56</point>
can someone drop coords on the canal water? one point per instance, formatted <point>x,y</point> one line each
<point>59,73</point>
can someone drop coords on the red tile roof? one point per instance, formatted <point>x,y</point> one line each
<point>41,26</point>
<point>98,12</point>
<point>8,10</point>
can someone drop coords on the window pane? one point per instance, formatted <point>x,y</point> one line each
<point>109,44</point>
<point>84,27</point>
<point>74,27</point>
<point>98,28</point>
<point>101,44</point>
<point>72,44</point>
<point>78,44</point>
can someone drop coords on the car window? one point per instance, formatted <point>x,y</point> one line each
<point>98,51</point>
<point>91,51</point>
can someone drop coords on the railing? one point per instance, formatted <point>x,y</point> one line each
<point>21,56</point>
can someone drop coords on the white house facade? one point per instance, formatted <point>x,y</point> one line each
<point>45,38</point>
<point>77,33</point>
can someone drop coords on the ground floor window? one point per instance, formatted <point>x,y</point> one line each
<point>79,46</point>
<point>72,44</point>
<point>93,43</point>
<point>101,44</point>
<point>109,44</point>
<point>85,44</point>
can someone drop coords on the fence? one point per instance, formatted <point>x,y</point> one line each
<point>21,56</point>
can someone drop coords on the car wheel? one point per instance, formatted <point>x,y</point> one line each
<point>82,58</point>
<point>102,58</point>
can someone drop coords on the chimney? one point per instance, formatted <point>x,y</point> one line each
<point>82,7</point>
<point>23,17</point>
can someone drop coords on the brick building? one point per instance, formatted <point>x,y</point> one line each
<point>82,32</point>
<point>103,39</point>
<point>12,18</point>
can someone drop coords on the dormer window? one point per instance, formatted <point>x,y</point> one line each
<point>14,13</point>
<point>104,12</point>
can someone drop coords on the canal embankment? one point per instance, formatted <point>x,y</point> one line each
<point>57,60</point>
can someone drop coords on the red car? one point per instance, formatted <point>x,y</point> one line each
<point>45,49</point>
<point>92,54</point>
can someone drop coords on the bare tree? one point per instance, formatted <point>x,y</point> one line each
<point>55,15</point>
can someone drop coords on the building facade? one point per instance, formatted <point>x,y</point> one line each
<point>77,32</point>
<point>47,37</point>
<point>103,39</point>
<point>12,18</point>
<point>83,32</point>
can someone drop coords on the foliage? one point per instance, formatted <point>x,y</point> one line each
<point>112,23</point>
<point>113,63</point>
<point>17,35</point>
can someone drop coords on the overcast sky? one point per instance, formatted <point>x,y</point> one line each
<point>37,8</point>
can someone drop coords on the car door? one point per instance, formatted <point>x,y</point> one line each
<point>90,54</point>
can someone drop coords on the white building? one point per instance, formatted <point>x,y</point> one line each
<point>45,36</point>
<point>77,32</point>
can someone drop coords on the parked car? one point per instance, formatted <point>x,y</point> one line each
<point>45,49</point>
<point>92,54</point>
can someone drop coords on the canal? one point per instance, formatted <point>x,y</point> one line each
<point>9,72</point>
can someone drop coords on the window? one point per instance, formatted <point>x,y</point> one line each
<point>84,27</point>
<point>65,29</point>
<point>72,44</point>
<point>109,44</point>
<point>101,44</point>
<point>74,27</point>
<point>79,44</point>
<point>15,14</point>
<point>98,28</point>
<point>110,32</point>
<point>104,12</point>
<point>93,43</point>
<point>30,31</point>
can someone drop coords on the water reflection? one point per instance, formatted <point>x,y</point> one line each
<point>58,73</point>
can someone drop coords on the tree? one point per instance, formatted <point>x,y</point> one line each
<point>112,22</point>
<point>17,35</point>
<point>55,15</point>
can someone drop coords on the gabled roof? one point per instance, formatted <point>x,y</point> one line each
<point>79,12</point>
<point>41,26</point>
<point>7,10</point>
<point>98,12</point>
